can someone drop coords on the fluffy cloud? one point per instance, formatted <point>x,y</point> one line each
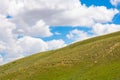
<point>22,5</point>
<point>77,35</point>
<point>2,46</point>
<point>6,29</point>
<point>10,7</point>
<point>75,15</point>
<point>57,33</point>
<point>34,19</point>
<point>1,58</point>
<point>115,2</point>
<point>57,13</point>
<point>4,6</point>
<point>12,48</point>
<point>40,29</point>
<point>26,46</point>
<point>8,45</point>
<point>80,15</point>
<point>54,44</point>
<point>99,29</point>
<point>31,45</point>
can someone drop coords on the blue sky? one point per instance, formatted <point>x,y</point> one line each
<point>41,25</point>
<point>105,3</point>
<point>97,3</point>
<point>64,30</point>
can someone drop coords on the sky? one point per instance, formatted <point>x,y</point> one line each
<point>32,26</point>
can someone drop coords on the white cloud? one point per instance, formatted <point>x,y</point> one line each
<point>54,44</point>
<point>57,12</point>
<point>8,45</point>
<point>61,12</point>
<point>7,37</point>
<point>1,58</point>
<point>9,59</point>
<point>10,7</point>
<point>99,29</point>
<point>22,5</point>
<point>2,46</point>
<point>84,16</point>
<point>13,48</point>
<point>26,46</point>
<point>57,33</point>
<point>3,6</point>
<point>32,45</point>
<point>40,29</point>
<point>6,29</point>
<point>115,2</point>
<point>77,35</point>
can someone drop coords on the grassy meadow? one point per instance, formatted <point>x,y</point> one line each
<point>92,59</point>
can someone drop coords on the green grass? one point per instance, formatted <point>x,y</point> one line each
<point>92,59</point>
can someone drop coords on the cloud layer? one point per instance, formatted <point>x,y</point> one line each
<point>115,2</point>
<point>77,35</point>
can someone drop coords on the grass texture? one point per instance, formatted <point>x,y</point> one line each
<point>92,59</point>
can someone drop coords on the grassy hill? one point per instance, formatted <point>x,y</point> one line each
<point>92,59</point>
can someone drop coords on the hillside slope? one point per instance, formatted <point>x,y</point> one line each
<point>92,59</point>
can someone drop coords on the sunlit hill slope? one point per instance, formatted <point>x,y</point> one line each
<point>92,59</point>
